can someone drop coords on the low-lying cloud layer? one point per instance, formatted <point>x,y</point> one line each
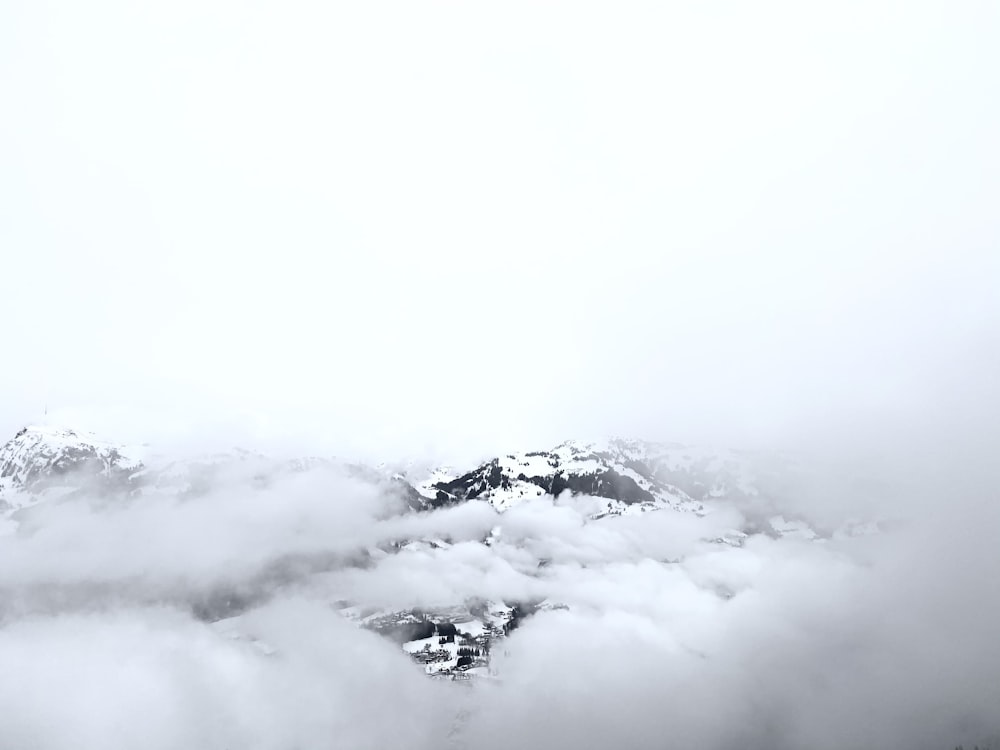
<point>117,624</point>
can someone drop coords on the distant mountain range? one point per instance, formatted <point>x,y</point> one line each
<point>628,476</point>
<point>45,464</point>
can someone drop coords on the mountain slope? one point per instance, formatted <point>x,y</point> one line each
<point>631,476</point>
<point>42,462</point>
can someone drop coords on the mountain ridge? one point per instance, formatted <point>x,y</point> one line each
<point>617,477</point>
<point>623,476</point>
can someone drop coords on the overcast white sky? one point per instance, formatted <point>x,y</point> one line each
<point>417,226</point>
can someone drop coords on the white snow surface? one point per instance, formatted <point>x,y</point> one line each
<point>44,462</point>
<point>677,476</point>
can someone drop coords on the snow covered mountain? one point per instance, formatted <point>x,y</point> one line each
<point>625,484</point>
<point>619,477</point>
<point>42,462</point>
<point>630,476</point>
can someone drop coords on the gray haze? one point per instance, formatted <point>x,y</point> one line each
<point>368,222</point>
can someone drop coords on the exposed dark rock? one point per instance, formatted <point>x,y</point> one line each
<point>607,483</point>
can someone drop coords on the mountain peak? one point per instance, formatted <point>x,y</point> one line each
<point>613,473</point>
<point>43,460</point>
